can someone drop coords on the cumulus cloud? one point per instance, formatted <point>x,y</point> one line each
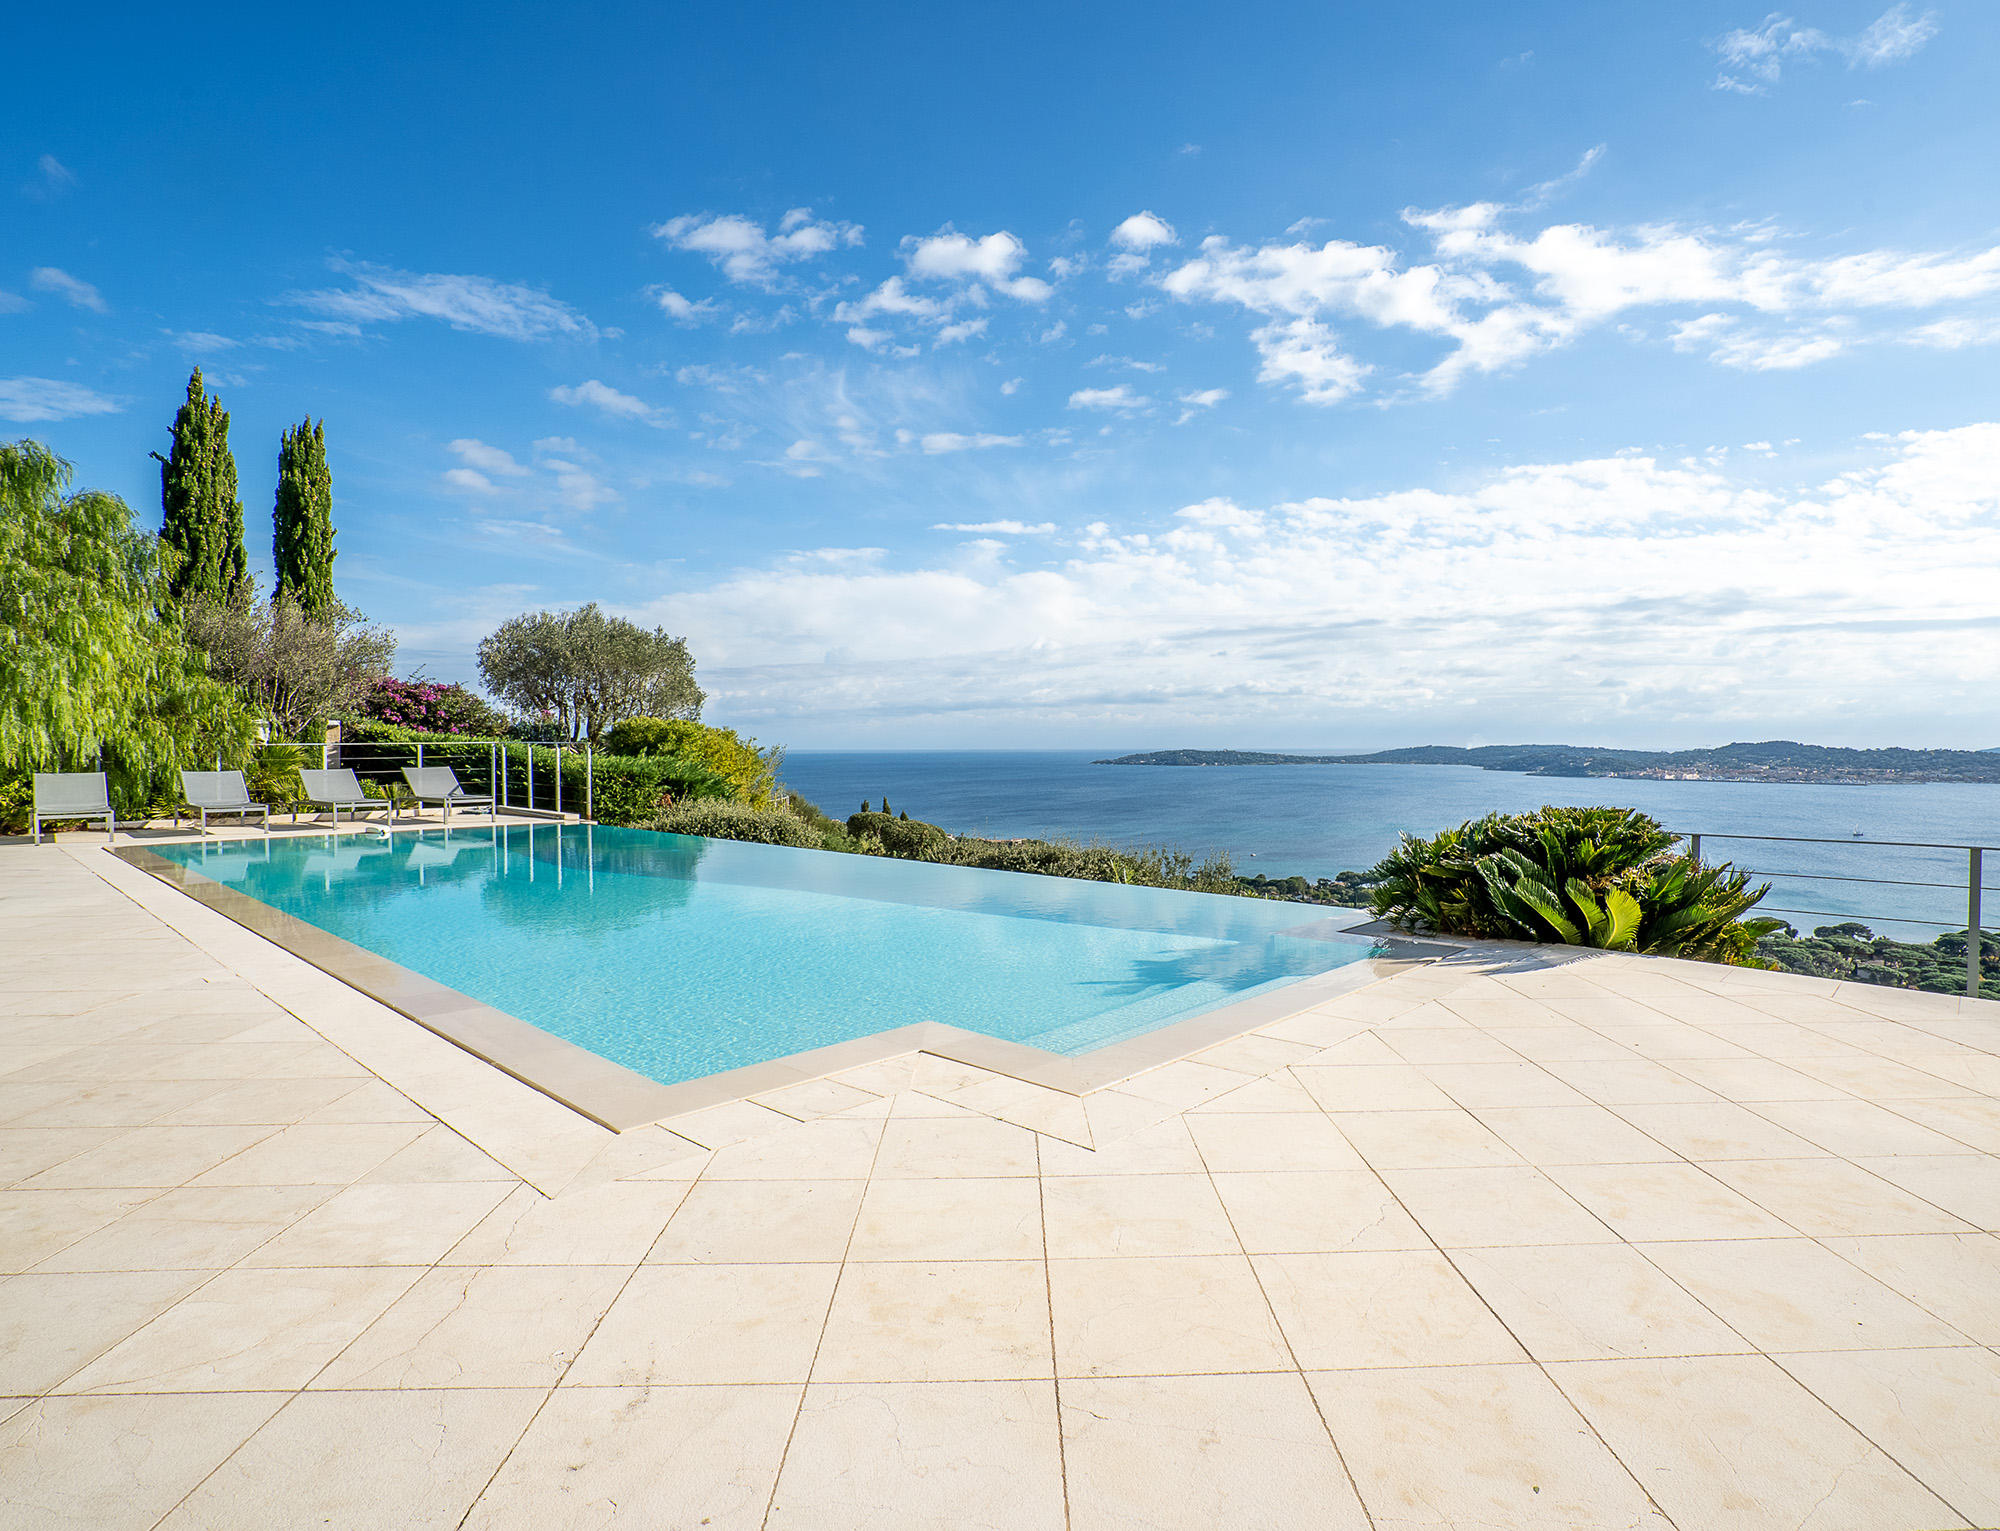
<point>34,400</point>
<point>1120,400</point>
<point>478,304</point>
<point>604,398</point>
<point>1307,354</point>
<point>682,309</point>
<point>1623,593</point>
<point>1144,231</point>
<point>72,290</point>
<point>993,259</point>
<point>1754,58</point>
<point>745,252</point>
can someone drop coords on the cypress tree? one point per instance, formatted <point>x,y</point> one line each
<point>302,520</point>
<point>201,518</point>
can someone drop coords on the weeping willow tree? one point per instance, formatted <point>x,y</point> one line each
<point>95,670</point>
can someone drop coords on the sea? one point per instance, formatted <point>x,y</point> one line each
<point>1317,820</point>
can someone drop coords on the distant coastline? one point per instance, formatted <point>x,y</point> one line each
<point>1778,760</point>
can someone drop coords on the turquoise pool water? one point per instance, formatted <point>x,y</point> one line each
<point>680,957</point>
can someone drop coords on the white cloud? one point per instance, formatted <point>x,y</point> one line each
<point>1196,402</point>
<point>478,304</point>
<point>72,290</point>
<point>949,256</point>
<point>33,400</point>
<point>11,302</point>
<point>938,442</point>
<point>603,397</point>
<point>1759,54</point>
<point>745,252</point>
<point>683,310</point>
<point>577,488</point>
<point>965,329</point>
<point>469,479</point>
<point>1012,385</point>
<point>1143,231</point>
<point>1305,353</point>
<point>1121,400</point>
<point>1622,594</point>
<point>998,528</point>
<point>487,459</point>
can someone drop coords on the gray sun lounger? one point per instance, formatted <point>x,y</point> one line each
<point>439,784</point>
<point>222,793</point>
<point>73,795</point>
<point>341,789</point>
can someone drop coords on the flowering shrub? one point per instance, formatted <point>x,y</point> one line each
<point>433,708</point>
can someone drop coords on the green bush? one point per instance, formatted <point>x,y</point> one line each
<point>752,773</point>
<point>722,819</point>
<point>911,839</point>
<point>1603,877</point>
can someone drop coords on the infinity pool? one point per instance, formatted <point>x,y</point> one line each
<point>680,957</point>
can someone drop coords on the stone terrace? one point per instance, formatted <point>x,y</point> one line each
<point>1525,1239</point>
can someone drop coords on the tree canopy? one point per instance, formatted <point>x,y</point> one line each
<point>298,669</point>
<point>94,665</point>
<point>302,520</point>
<point>589,670</point>
<point>201,517</point>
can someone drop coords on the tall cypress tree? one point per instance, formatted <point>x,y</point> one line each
<point>201,518</point>
<point>302,519</point>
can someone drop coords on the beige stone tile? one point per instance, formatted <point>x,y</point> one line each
<point>37,1224</point>
<point>1165,1148</point>
<point>1256,1054</point>
<point>1113,1115</point>
<point>264,1102</point>
<point>115,1463</point>
<point>247,1331</point>
<point>371,1101</point>
<point>1972,1120</point>
<point>597,1458</point>
<point>383,1225</point>
<point>1315,1212</point>
<point>967,1454</point>
<point>1720,1130</point>
<point>1937,1412</point>
<point>150,1156</point>
<point>1271,1140</point>
<point>1195,1453</point>
<point>193,1228</point>
<point>1666,1041</point>
<point>1880,1078</point>
<point>1372,1087</point>
<point>1451,1139</point>
<point>1954,1275</point>
<point>1755,1079</point>
<point>1558,1044</point>
<point>460,1327</point>
<point>52,1325</point>
<point>1856,1129</point>
<point>923,1147</point>
<point>1511,1205</point>
<point>1368,1050</point>
<point>1828,1198</point>
<point>1095,1216</point>
<point>937,1321</point>
<point>28,1151</point>
<point>1027,1105</point>
<point>1184,1084</point>
<point>118,1104</point>
<point>1322,1026</point>
<point>709,1323</point>
<point>1572,1135</point>
<point>1163,1314</point>
<point>1965,1185</point>
<point>439,1153</point>
<point>940,1076</point>
<point>956,1218</point>
<point>1448,1045</point>
<point>727,1222</point>
<point>832,1148</point>
<point>1407,1308</point>
<point>1592,1302</point>
<point>719,1126</point>
<point>428,1454</point>
<point>1792,1294</point>
<point>885,1078</point>
<point>314,1155</point>
<point>1732,1443</point>
<point>1668,1201</point>
<point>1275,1092</point>
<point>1480,1085</point>
<point>1476,1446</point>
<point>816,1097</point>
<point>1634,1082</point>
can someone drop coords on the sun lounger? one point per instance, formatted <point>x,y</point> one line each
<point>341,789</point>
<point>439,784</point>
<point>222,793</point>
<point>73,795</point>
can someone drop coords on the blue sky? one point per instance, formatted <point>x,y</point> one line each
<point>1328,375</point>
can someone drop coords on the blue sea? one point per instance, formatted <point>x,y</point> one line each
<point>1315,821</point>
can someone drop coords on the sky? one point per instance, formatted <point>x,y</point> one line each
<point>1278,376</point>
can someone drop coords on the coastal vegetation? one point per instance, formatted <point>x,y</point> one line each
<point>1601,877</point>
<point>1853,952</point>
<point>586,670</point>
<point>1776,760</point>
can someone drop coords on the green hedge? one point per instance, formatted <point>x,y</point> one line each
<point>728,820</point>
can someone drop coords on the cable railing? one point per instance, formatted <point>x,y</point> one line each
<point>1915,856</point>
<point>520,777</point>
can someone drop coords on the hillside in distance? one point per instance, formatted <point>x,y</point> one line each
<point>1773,760</point>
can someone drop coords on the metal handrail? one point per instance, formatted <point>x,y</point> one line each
<point>495,758</point>
<point>1975,885</point>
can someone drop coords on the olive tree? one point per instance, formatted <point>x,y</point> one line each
<point>297,668</point>
<point>589,670</point>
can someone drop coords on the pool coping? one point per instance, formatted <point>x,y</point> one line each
<point>621,1099</point>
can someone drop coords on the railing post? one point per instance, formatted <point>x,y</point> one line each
<point>1974,876</point>
<point>420,755</point>
<point>589,783</point>
<point>531,776</point>
<point>1694,849</point>
<point>558,790</point>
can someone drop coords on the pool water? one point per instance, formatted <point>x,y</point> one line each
<point>680,957</point>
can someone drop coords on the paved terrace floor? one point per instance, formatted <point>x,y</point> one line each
<point>1519,1240</point>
